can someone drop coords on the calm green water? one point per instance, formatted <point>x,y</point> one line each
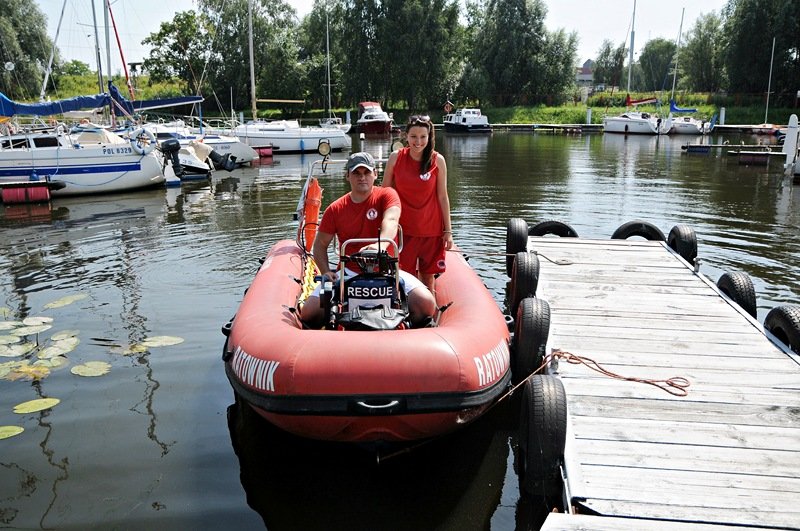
<point>147,446</point>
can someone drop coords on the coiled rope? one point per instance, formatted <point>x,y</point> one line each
<point>676,385</point>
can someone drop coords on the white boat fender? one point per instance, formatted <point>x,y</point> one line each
<point>143,141</point>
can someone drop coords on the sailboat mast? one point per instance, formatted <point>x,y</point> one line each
<point>769,83</point>
<point>328,54</point>
<point>97,50</point>
<point>52,53</point>
<point>108,39</point>
<point>630,52</point>
<point>677,49</point>
<point>252,65</point>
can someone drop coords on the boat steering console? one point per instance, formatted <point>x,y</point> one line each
<point>368,294</point>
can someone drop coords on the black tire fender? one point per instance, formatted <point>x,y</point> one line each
<point>784,323</point>
<point>531,331</point>
<point>542,434</point>
<point>683,240</point>
<point>739,288</point>
<point>557,228</point>
<point>524,279</point>
<point>638,227</point>
<point>516,240</point>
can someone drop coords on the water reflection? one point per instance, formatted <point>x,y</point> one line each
<point>455,482</point>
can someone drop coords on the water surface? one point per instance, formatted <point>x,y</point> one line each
<point>148,445</point>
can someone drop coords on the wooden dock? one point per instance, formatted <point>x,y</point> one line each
<point>638,457</point>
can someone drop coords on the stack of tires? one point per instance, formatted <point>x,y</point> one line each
<point>543,413</point>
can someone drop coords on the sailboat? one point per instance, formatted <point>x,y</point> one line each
<point>285,136</point>
<point>635,122</point>
<point>767,128</point>
<point>331,120</point>
<point>684,125</point>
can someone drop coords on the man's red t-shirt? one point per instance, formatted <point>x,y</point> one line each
<point>347,219</point>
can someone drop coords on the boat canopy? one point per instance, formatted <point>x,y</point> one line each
<point>122,106</point>
<point>46,108</point>
<point>673,107</point>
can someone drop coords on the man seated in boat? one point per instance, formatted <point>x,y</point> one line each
<point>367,211</point>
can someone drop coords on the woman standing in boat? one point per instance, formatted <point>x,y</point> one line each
<point>419,174</point>
<point>366,211</point>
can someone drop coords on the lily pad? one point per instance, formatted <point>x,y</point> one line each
<point>9,339</point>
<point>26,371</point>
<point>7,367</point>
<point>51,363</point>
<point>91,368</point>
<point>37,320</point>
<point>162,341</point>
<point>61,347</point>
<point>8,325</point>
<point>64,301</point>
<point>64,334</point>
<point>31,330</point>
<point>20,349</point>
<point>10,431</point>
<point>32,406</point>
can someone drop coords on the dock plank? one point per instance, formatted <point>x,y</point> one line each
<point>582,522</point>
<point>727,453</point>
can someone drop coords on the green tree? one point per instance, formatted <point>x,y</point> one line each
<point>511,38</point>
<point>420,47</point>
<point>312,39</point>
<point>75,68</point>
<point>555,66</point>
<point>24,49</point>
<point>656,60</point>
<point>610,63</point>
<point>700,58</point>
<point>472,84</point>
<point>278,72</point>
<point>180,50</point>
<point>361,40</point>
<point>749,27</point>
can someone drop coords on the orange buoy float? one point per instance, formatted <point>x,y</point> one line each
<point>312,203</point>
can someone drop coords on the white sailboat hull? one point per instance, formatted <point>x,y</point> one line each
<point>286,136</point>
<point>83,168</point>
<point>634,123</point>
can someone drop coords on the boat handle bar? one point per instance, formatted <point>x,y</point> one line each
<point>390,404</point>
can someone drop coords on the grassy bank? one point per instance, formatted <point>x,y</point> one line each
<point>576,114</point>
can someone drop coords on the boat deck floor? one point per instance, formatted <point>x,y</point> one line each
<point>725,454</point>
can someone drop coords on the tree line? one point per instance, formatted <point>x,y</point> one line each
<point>417,54</point>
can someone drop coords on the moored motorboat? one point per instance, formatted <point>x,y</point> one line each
<point>222,144</point>
<point>467,121</point>
<point>373,120</point>
<point>364,385</point>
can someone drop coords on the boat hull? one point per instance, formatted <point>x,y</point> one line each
<point>630,126</point>
<point>688,126</point>
<point>467,128</point>
<point>375,127</point>
<point>285,139</point>
<point>89,170</point>
<point>360,386</point>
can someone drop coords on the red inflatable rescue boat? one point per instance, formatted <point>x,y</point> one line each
<point>358,385</point>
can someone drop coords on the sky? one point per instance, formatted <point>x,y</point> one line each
<point>592,20</point>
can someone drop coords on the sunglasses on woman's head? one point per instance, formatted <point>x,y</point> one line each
<point>419,120</point>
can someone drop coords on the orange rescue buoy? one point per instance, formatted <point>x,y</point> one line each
<point>311,208</point>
